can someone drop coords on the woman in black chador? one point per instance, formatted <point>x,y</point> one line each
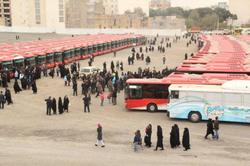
<point>186,139</point>
<point>173,137</point>
<point>34,88</point>
<point>54,106</point>
<point>8,96</point>
<point>66,104</point>
<point>60,106</point>
<point>177,135</point>
<point>17,88</point>
<point>159,138</point>
<point>147,138</point>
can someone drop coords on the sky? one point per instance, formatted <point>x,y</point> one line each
<point>131,4</point>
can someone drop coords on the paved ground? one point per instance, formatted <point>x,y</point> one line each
<point>29,137</point>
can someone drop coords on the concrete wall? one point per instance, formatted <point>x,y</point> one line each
<point>146,32</point>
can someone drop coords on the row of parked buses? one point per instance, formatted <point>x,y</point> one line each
<point>50,53</point>
<point>197,94</point>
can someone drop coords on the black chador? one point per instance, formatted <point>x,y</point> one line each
<point>186,139</point>
<point>60,106</point>
<point>8,96</point>
<point>17,88</point>
<point>54,105</point>
<point>159,138</point>
<point>34,88</point>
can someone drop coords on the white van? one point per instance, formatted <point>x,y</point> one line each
<point>88,70</point>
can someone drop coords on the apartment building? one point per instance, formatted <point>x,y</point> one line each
<point>111,7</point>
<point>5,12</point>
<point>38,13</point>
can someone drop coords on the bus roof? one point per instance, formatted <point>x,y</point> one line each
<point>230,86</point>
<point>185,78</point>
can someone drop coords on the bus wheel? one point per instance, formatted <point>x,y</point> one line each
<point>194,116</point>
<point>152,108</point>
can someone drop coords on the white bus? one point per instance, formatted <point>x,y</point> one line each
<point>230,101</point>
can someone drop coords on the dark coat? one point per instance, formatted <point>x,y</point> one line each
<point>177,135</point>
<point>159,137</point>
<point>173,138</point>
<point>54,105</point>
<point>34,88</point>
<point>186,139</point>
<point>17,87</point>
<point>8,96</point>
<point>210,126</point>
<point>60,105</point>
<point>99,133</point>
<point>66,103</point>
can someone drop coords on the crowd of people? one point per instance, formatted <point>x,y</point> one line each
<point>105,84</point>
<point>174,138</point>
<point>63,106</point>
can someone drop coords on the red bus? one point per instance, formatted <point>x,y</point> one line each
<point>152,94</point>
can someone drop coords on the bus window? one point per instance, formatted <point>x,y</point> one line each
<point>214,98</point>
<point>174,94</point>
<point>135,92</point>
<point>232,99</point>
<point>246,100</point>
<point>155,91</point>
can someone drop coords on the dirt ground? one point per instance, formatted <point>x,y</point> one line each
<point>29,137</point>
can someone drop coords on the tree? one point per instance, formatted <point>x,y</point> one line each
<point>209,22</point>
<point>139,12</point>
<point>206,18</point>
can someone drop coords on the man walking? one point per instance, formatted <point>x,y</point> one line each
<point>216,128</point>
<point>86,101</point>
<point>49,105</point>
<point>74,88</point>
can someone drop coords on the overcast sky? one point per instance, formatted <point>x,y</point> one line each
<point>131,4</point>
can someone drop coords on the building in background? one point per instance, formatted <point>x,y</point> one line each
<point>159,4</point>
<point>241,8</point>
<point>166,22</point>
<point>95,9</point>
<point>111,7</point>
<point>76,13</point>
<point>38,13</point>
<point>5,12</point>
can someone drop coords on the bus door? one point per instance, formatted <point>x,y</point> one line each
<point>58,58</point>
<point>133,94</point>
<point>78,53</point>
<point>66,56</point>
<point>95,50</point>
<point>41,60</point>
<point>50,62</point>
<point>112,46</point>
<point>84,52</point>
<point>105,48</point>
<point>90,51</point>
<point>109,47</point>
<point>100,49</point>
<point>72,55</point>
